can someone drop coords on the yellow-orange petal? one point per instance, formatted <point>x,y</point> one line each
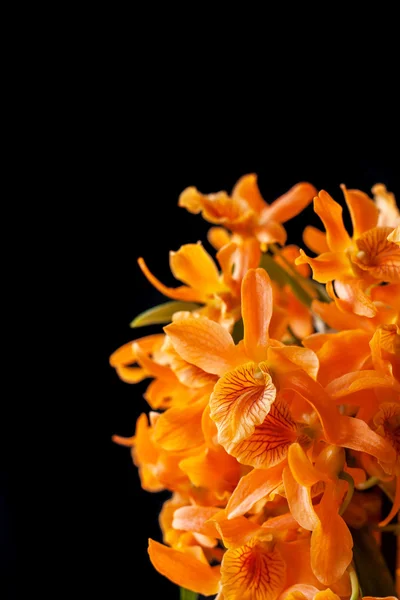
<point>179,293</point>
<point>218,237</point>
<point>378,255</point>
<point>194,518</point>
<point>394,236</point>
<point>192,265</point>
<point>291,203</point>
<point>363,211</point>
<point>331,541</point>
<point>301,468</point>
<point>299,500</point>
<point>330,213</point>
<point>236,532</point>
<point>257,484</point>
<point>300,591</point>
<point>203,343</point>
<point>251,572</point>
<point>326,595</point>
<point>327,266</point>
<point>183,569</point>
<point>270,232</point>
<point>352,297</point>
<point>180,428</point>
<point>257,305</point>
<point>131,374</point>
<point>315,239</point>
<point>247,189</point>
<point>285,359</point>
<point>241,399</point>
<point>269,443</point>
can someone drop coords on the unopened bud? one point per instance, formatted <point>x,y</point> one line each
<point>331,461</point>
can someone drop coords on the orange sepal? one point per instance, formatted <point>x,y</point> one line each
<point>330,213</point>
<point>180,293</point>
<point>194,518</point>
<point>256,312</point>
<point>363,211</point>
<point>179,429</point>
<point>291,203</point>
<point>183,569</point>
<point>327,266</point>
<point>331,540</point>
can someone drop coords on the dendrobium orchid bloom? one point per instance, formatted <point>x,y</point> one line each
<point>355,263</point>
<point>275,407</point>
<point>245,212</point>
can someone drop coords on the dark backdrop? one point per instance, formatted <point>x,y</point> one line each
<point>141,218</point>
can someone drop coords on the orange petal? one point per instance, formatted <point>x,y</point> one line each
<point>352,297</point>
<point>241,399</point>
<point>180,293</point>
<point>300,591</point>
<point>396,505</point>
<point>337,319</point>
<point>217,471</point>
<point>203,343</point>
<point>131,374</point>
<point>270,233</point>
<point>236,260</point>
<point>331,541</point>
<point>252,571</point>
<point>257,484</point>
<point>292,203</point>
<point>285,359</point>
<point>125,355</point>
<point>218,237</point>
<point>378,255</point>
<point>330,213</point>
<point>315,240</point>
<point>192,265</point>
<point>299,500</point>
<point>327,266</point>
<point>247,189</point>
<point>301,468</point>
<point>363,211</point>
<point>394,236</point>
<point>183,569</point>
<point>257,305</point>
<point>180,428</point>
<point>269,443</point>
<point>153,368</point>
<point>236,532</point>
<point>194,518</point>
<point>357,381</point>
<point>326,595</point>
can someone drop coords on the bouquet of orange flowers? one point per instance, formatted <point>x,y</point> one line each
<point>275,399</point>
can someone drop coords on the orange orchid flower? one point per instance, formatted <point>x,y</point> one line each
<point>245,212</point>
<point>356,263</point>
<point>218,292</point>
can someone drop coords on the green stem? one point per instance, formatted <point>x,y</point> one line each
<point>350,490</point>
<point>389,528</point>
<point>188,594</point>
<point>369,483</point>
<point>355,588</point>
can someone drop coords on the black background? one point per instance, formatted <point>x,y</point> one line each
<point>142,219</point>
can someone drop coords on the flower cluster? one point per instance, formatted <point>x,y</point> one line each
<point>274,396</point>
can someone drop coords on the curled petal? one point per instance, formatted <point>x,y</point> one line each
<point>253,571</point>
<point>352,297</point>
<point>183,569</point>
<point>236,532</point>
<point>241,399</point>
<point>301,468</point>
<point>247,188</point>
<point>331,541</point>
<point>179,293</point>
<point>327,266</point>
<point>330,213</point>
<point>299,500</point>
<point>218,237</point>
<point>363,211</point>
<point>394,236</point>
<point>192,265</point>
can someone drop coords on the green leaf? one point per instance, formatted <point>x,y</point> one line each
<point>162,313</point>
<point>374,576</point>
<point>188,595</point>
